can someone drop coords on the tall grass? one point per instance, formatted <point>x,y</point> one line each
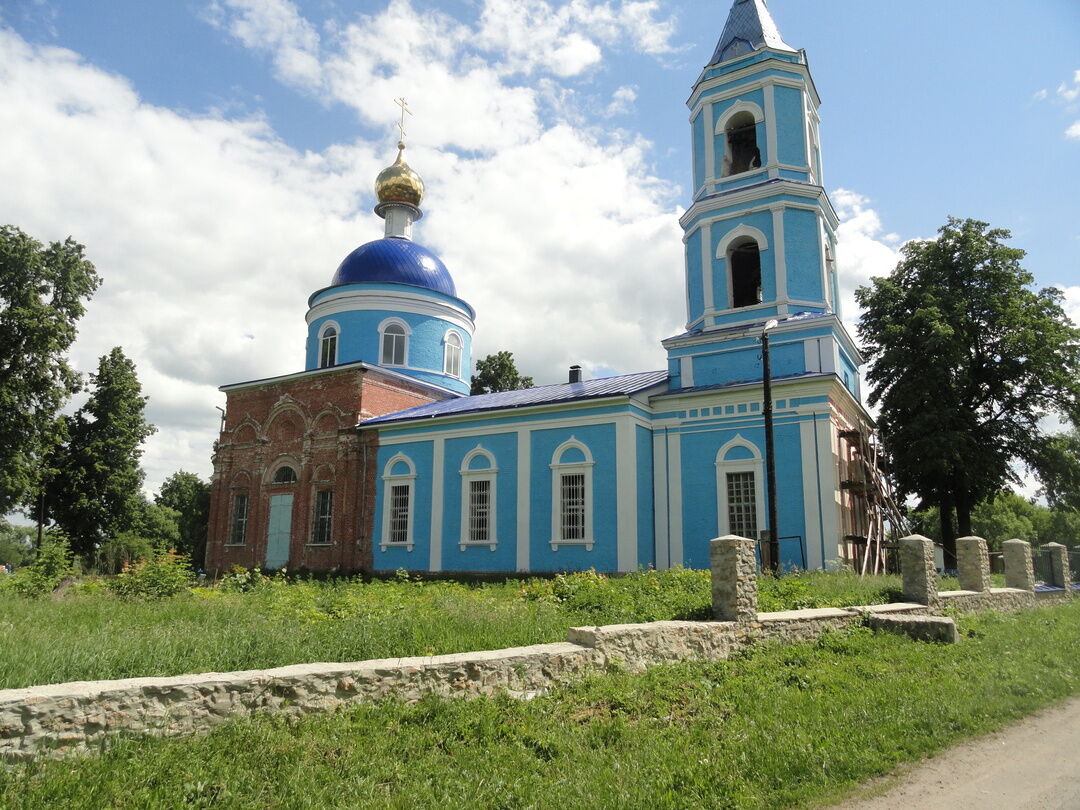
<point>91,634</point>
<point>778,726</point>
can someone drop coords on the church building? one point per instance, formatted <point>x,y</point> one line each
<point>375,457</point>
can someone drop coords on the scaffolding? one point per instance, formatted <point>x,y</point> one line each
<point>872,514</point>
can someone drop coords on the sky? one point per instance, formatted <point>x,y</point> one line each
<point>217,159</point>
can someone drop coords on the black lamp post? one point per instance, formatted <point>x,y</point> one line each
<point>770,454</point>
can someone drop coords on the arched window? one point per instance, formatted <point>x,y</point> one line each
<point>398,477</point>
<point>328,346</point>
<point>738,482</point>
<point>744,264</point>
<point>571,496</point>
<point>452,354</point>
<point>285,475</point>
<point>395,337</point>
<point>741,153</point>
<point>478,505</point>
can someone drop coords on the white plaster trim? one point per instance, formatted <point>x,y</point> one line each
<point>710,142</point>
<point>780,257</point>
<point>319,343</point>
<point>438,451</point>
<point>389,481</point>
<point>748,195</point>
<point>675,489</point>
<point>626,504</point>
<point>771,140</point>
<point>811,495</point>
<point>446,352</point>
<point>523,505</point>
<point>707,294</point>
<point>383,326</point>
<point>751,465</point>
<point>686,371</point>
<point>559,469</point>
<point>368,300</point>
<point>702,88</point>
<point>740,232</point>
<point>489,474</point>
<point>829,477</point>
<point>660,501</point>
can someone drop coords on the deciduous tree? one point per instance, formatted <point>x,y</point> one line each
<point>95,489</point>
<point>965,359</point>
<point>189,495</point>
<point>498,372</point>
<point>43,291</point>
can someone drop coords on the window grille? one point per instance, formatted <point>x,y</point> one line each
<point>742,504</point>
<point>324,517</point>
<point>480,511</point>
<point>238,530</point>
<point>399,513</point>
<point>573,506</point>
<point>285,475</point>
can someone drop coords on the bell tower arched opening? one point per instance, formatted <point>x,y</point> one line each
<point>742,152</point>
<point>744,261</point>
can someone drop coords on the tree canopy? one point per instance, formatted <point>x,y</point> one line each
<point>95,483</point>
<point>498,372</point>
<point>189,495</point>
<point>43,291</point>
<point>965,359</point>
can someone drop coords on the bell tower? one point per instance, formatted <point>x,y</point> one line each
<point>760,233</point>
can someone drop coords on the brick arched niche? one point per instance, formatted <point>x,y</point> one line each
<point>327,422</point>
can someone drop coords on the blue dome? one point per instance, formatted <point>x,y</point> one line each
<point>395,261</point>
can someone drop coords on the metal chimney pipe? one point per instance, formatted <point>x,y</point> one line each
<point>575,374</point>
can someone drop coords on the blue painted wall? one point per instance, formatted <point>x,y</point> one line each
<point>803,255</point>
<point>420,453</point>
<point>790,126</point>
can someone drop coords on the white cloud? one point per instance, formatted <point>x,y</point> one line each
<point>210,232</point>
<point>863,249</point>
<point>1071,302</point>
<point>1070,90</point>
<point>1041,95</point>
<point>622,101</point>
<point>1073,131</point>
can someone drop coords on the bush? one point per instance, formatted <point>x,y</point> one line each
<point>118,552</point>
<point>242,580</point>
<point>52,564</point>
<point>156,577</point>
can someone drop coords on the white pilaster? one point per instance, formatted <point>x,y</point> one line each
<point>710,144</point>
<point>660,501</point>
<point>626,494</point>
<point>770,127</point>
<point>675,496</point>
<point>435,554</point>
<point>829,478</point>
<point>523,464</point>
<point>811,495</point>
<point>707,269</point>
<point>779,255</point>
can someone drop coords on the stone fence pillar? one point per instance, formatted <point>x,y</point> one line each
<point>1060,572</point>
<point>973,560</point>
<point>1019,572</point>
<point>734,579</point>
<point>918,569</point>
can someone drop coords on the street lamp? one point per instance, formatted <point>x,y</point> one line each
<point>770,454</point>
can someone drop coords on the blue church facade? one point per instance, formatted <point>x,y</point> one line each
<point>611,474</point>
<point>643,470</point>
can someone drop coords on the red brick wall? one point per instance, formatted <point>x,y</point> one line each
<point>308,423</point>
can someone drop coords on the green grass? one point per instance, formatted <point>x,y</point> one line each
<point>775,727</point>
<point>92,635</point>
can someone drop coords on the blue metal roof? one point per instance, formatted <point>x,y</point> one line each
<point>397,261</point>
<point>749,27</point>
<point>542,395</point>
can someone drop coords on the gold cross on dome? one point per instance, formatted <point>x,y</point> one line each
<point>404,109</point>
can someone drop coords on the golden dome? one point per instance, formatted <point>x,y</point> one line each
<point>399,183</point>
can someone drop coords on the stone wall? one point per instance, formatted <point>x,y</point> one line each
<point>60,719</point>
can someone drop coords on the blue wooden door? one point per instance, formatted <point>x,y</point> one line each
<point>280,531</point>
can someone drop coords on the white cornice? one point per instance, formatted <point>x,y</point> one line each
<point>748,72</point>
<point>749,194</point>
<point>390,301</point>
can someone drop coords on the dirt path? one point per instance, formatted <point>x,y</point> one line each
<point>1032,765</point>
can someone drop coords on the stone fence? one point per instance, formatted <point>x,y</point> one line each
<point>60,719</point>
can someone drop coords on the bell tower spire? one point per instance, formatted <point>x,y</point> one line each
<point>750,27</point>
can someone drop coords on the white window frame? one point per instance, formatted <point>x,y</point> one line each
<point>382,341</point>
<point>721,127</point>
<point>490,474</point>
<point>449,344</point>
<point>558,470</point>
<point>323,337</point>
<point>753,465</point>
<point>391,480</point>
